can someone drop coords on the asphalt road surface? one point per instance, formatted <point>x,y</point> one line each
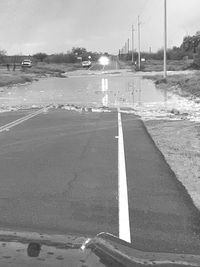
<point>59,174</point>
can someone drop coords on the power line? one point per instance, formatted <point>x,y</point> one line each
<point>159,5</point>
<point>142,10</point>
<point>144,7</point>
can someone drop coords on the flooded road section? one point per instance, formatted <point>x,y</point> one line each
<point>107,90</point>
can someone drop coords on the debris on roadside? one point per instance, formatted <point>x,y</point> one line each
<point>81,109</point>
<point>175,111</point>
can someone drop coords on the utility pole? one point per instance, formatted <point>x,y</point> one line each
<point>132,43</point>
<point>139,60</point>
<point>150,50</point>
<point>128,46</point>
<point>165,39</point>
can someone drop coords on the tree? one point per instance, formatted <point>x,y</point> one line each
<point>40,56</point>
<point>2,55</point>
<point>79,51</point>
<point>176,53</point>
<point>191,43</point>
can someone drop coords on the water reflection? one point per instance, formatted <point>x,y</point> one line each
<point>129,92</point>
<point>104,89</point>
<point>104,84</point>
<point>136,92</point>
<point>139,92</point>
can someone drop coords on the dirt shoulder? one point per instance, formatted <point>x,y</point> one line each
<point>19,76</point>
<point>179,142</point>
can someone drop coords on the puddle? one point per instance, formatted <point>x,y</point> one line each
<point>109,90</point>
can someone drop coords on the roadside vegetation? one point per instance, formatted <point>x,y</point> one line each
<point>182,84</point>
<point>172,65</point>
<point>42,65</point>
<point>186,56</point>
<point>12,78</point>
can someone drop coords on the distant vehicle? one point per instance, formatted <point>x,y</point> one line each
<point>86,64</point>
<point>27,63</point>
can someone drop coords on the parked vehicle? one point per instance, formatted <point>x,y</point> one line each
<point>26,63</point>
<point>86,64</point>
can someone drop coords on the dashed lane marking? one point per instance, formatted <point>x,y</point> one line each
<point>124,222</point>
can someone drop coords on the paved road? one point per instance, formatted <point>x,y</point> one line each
<point>59,173</point>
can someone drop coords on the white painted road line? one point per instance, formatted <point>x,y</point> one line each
<point>25,118</point>
<point>124,222</point>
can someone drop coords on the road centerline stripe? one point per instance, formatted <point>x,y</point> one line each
<point>124,222</point>
<point>20,120</point>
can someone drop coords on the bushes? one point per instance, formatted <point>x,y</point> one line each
<point>40,56</point>
<point>174,53</point>
<point>72,56</point>
<point>196,63</point>
<point>75,55</point>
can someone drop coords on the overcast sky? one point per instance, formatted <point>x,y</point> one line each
<point>53,26</point>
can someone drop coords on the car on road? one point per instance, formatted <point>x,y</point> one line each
<point>27,63</point>
<point>86,64</point>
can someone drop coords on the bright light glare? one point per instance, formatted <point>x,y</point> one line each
<point>104,60</point>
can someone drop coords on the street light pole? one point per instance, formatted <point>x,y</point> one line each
<point>165,39</point>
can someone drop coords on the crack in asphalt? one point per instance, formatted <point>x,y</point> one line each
<point>70,183</point>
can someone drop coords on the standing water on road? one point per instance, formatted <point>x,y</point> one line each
<point>107,90</point>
